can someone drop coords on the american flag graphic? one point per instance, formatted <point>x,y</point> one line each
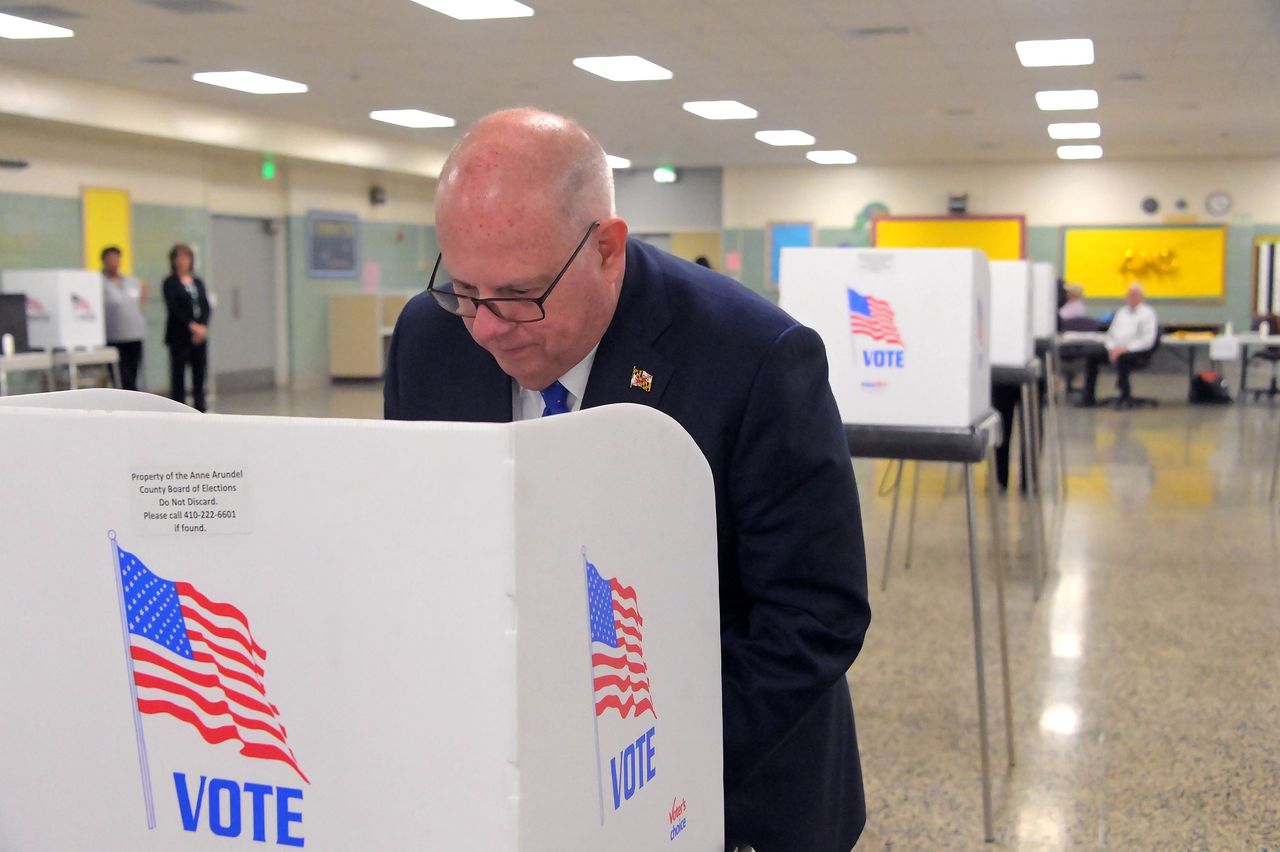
<point>196,660</point>
<point>618,668</point>
<point>873,318</point>
<point>80,303</point>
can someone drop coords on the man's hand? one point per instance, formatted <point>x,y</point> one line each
<point>1115,353</point>
<point>199,333</point>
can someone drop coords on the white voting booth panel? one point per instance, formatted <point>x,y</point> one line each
<point>905,330</point>
<point>380,635</point>
<point>64,306</point>
<point>1044,300</point>
<point>1011,342</point>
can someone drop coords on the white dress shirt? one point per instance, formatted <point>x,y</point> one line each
<point>528,404</point>
<point>1134,329</point>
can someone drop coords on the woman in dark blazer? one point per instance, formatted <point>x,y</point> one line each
<point>187,326</point>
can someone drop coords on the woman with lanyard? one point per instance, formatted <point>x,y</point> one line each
<point>187,326</point>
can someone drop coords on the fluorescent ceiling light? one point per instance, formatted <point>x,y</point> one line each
<point>1079,152</point>
<point>477,10</point>
<point>784,137</point>
<point>251,82</point>
<point>414,118</point>
<point>1058,51</point>
<point>720,110</point>
<point>1067,99</point>
<point>1075,130</point>
<point>665,174</point>
<point>832,158</point>
<point>617,162</point>
<point>622,69</point>
<point>11,26</point>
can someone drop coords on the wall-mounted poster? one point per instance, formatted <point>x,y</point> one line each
<point>1179,262</point>
<point>782,235</point>
<point>1000,237</point>
<point>333,245</point>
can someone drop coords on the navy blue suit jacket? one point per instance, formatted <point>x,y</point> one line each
<point>750,385</point>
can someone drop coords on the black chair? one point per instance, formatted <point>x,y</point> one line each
<point>1072,355</point>
<point>1141,361</point>
<point>1272,354</point>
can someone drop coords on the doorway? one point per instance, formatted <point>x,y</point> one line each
<point>242,339</point>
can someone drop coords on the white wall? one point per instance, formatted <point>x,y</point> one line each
<point>64,158</point>
<point>1058,193</point>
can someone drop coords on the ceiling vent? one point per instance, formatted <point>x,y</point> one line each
<point>41,12</point>
<point>194,7</point>
<point>877,32</point>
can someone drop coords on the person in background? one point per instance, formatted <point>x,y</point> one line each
<point>702,260</point>
<point>1074,307</point>
<point>1133,331</point>
<point>186,329</point>
<point>122,298</point>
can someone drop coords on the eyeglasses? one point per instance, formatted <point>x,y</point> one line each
<point>509,308</point>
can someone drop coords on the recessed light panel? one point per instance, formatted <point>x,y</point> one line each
<point>1075,130</point>
<point>11,26</point>
<point>477,10</point>
<point>832,158</point>
<point>251,82</point>
<point>622,69</point>
<point>414,118</point>
<point>1058,51</point>
<point>1079,152</point>
<point>784,137</point>
<point>1067,99</point>
<point>617,162</point>
<point>720,110</point>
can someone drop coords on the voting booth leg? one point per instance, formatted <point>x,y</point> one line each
<point>893,523</point>
<point>1033,499</point>
<point>1275,470</point>
<point>998,558</point>
<point>1055,419</point>
<point>975,583</point>
<point>911,516</point>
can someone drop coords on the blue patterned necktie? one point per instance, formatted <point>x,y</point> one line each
<point>556,398</point>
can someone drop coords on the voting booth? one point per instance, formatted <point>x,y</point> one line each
<point>1044,300</point>
<point>905,330</point>
<point>64,306</point>
<point>248,632</point>
<point>1011,342</point>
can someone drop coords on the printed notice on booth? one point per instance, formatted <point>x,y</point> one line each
<point>189,500</point>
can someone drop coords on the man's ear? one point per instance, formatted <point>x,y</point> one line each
<point>611,237</point>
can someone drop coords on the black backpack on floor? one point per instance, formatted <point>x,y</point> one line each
<point>1209,388</point>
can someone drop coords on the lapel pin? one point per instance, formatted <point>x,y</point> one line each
<point>642,379</point>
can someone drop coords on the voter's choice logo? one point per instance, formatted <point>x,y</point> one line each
<point>620,689</point>
<point>36,309</point>
<point>677,817</point>
<point>195,659</point>
<point>81,307</point>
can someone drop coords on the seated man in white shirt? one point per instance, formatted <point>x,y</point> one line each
<point>1132,334</point>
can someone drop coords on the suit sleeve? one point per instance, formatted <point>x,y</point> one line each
<point>177,301</point>
<point>391,378</point>
<point>801,557</point>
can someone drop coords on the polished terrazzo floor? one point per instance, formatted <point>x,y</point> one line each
<point>1146,680</point>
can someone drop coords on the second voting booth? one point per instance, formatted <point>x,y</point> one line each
<point>909,338</point>
<point>356,635</point>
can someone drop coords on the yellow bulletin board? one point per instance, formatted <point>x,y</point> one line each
<point>1170,262</point>
<point>1001,237</point>
<point>106,220</point>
